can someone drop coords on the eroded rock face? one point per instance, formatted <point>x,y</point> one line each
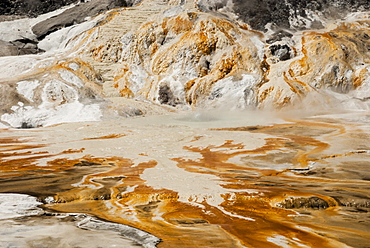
<point>31,7</point>
<point>290,14</point>
<point>334,63</point>
<point>178,59</point>
<point>7,49</point>
<point>65,91</point>
<point>184,55</point>
<point>25,41</point>
<point>76,15</point>
<point>34,8</point>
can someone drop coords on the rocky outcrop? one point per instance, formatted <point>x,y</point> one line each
<point>179,59</point>
<point>18,47</point>
<point>51,95</point>
<point>7,49</point>
<point>188,57</point>
<point>104,49</point>
<point>184,54</point>
<point>31,8</point>
<point>75,15</point>
<point>290,14</point>
<point>24,40</point>
<point>334,64</point>
<point>312,202</point>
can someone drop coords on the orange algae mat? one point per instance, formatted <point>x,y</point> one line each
<point>296,183</point>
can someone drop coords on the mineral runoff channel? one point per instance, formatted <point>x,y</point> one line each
<point>188,180</point>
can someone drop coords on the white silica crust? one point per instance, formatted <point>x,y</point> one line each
<point>35,116</point>
<point>27,88</point>
<point>53,231</point>
<point>17,205</point>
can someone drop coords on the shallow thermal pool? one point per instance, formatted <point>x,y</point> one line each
<point>202,179</point>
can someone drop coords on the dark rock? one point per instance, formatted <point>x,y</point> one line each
<point>166,96</point>
<point>25,41</point>
<point>7,49</point>
<point>258,13</point>
<point>31,8</point>
<point>76,15</point>
<point>301,202</point>
<point>130,111</point>
<point>26,46</point>
<point>191,221</point>
<point>26,125</point>
<point>360,201</point>
<point>72,16</point>
<point>250,97</point>
<point>18,47</point>
<point>86,163</point>
<point>282,52</point>
<point>215,94</point>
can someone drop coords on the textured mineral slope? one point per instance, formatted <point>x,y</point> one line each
<point>186,54</point>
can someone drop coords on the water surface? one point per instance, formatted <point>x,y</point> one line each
<point>204,179</point>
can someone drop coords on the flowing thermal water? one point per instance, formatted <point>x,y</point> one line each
<point>214,179</point>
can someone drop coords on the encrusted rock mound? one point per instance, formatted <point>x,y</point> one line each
<point>192,54</point>
<point>289,14</point>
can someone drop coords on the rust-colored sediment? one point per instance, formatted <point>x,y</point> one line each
<point>181,224</point>
<point>110,136</point>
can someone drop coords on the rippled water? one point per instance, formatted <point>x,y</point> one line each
<point>194,180</point>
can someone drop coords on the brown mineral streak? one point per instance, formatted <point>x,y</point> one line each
<point>110,136</point>
<point>8,150</point>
